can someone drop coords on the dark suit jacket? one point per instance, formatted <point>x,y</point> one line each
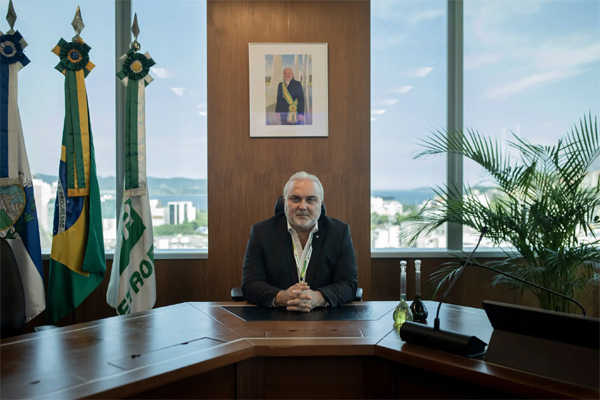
<point>269,264</point>
<point>296,91</point>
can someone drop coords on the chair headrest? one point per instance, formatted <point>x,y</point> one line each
<point>279,206</point>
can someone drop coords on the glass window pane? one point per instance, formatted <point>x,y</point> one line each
<point>408,98</point>
<point>41,99</point>
<point>531,68</point>
<point>174,33</point>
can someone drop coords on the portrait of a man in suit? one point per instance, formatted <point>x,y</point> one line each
<point>290,100</point>
<point>288,90</point>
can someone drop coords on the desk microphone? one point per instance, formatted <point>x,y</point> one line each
<point>451,342</point>
<point>436,322</point>
<point>454,342</point>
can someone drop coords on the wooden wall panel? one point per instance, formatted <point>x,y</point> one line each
<point>245,176</point>
<point>177,281</point>
<point>472,288</point>
<point>181,280</point>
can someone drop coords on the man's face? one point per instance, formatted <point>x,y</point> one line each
<point>287,74</point>
<point>303,205</point>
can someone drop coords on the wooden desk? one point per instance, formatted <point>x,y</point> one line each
<point>200,350</point>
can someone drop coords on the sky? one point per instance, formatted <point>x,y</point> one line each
<point>175,101</point>
<point>531,67</point>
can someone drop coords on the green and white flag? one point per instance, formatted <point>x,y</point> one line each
<point>132,286</point>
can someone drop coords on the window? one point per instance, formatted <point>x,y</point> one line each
<point>41,100</point>
<point>530,68</point>
<point>408,98</point>
<point>174,33</point>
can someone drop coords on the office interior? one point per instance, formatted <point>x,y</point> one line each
<point>245,175</point>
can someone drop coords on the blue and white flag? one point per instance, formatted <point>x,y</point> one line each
<point>18,215</point>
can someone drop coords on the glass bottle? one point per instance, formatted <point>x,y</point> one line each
<point>402,312</point>
<point>417,307</point>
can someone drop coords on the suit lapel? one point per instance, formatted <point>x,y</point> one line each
<point>288,249</point>
<point>314,258</point>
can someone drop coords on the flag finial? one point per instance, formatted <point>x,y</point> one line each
<point>77,24</point>
<point>135,29</point>
<point>11,17</point>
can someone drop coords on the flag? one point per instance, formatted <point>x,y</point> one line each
<point>132,285</point>
<point>18,215</point>
<point>77,260</point>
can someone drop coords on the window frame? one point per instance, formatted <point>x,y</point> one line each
<point>454,123</point>
<point>123,38</point>
<point>454,108</point>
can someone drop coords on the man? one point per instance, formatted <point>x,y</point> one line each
<point>300,259</point>
<point>289,109</point>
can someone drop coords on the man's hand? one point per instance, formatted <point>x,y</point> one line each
<point>302,299</point>
<point>281,300</point>
<point>300,117</point>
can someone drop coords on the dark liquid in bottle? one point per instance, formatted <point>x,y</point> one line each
<point>419,310</point>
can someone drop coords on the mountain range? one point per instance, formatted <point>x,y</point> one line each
<point>157,186</point>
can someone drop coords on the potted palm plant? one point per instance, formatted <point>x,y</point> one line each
<point>545,207</point>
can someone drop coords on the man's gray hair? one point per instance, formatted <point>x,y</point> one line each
<point>301,176</point>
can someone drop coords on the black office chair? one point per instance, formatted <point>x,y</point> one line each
<point>236,292</point>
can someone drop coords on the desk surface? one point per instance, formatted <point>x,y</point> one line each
<point>115,357</point>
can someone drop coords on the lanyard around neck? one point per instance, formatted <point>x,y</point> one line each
<point>302,269</point>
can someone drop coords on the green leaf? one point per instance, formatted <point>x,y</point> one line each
<point>540,206</point>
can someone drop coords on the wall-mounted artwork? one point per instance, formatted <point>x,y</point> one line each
<point>288,89</point>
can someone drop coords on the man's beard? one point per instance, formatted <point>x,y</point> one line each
<point>307,223</point>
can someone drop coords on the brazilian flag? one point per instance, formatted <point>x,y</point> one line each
<point>77,260</point>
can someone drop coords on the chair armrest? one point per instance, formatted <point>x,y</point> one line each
<point>237,294</point>
<point>358,295</point>
<point>44,327</point>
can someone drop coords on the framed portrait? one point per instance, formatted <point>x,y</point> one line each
<point>288,90</point>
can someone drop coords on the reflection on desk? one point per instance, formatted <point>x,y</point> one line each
<point>355,312</point>
<point>201,350</point>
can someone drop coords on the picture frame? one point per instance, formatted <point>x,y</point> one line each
<point>300,109</point>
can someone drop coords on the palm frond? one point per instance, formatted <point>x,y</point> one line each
<point>540,206</point>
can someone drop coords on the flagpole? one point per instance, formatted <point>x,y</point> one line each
<point>132,285</point>
<point>21,255</point>
<point>77,259</point>
<point>122,40</point>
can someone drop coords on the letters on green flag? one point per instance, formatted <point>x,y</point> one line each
<point>132,285</point>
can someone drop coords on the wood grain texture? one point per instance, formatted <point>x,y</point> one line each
<point>250,379</point>
<point>179,344</point>
<point>216,384</point>
<point>314,377</point>
<point>185,280</point>
<point>177,281</point>
<point>245,176</point>
<point>162,344</point>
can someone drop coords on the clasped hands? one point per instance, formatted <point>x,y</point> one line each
<point>299,297</point>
